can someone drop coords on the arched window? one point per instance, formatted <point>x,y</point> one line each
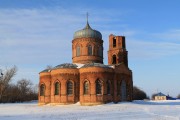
<point>114,59</point>
<point>78,51</point>
<point>90,51</point>
<point>86,87</point>
<point>108,83</point>
<point>118,87</point>
<point>98,87</point>
<point>57,88</point>
<point>114,42</point>
<point>100,51</point>
<point>42,90</point>
<point>69,88</point>
<point>123,91</point>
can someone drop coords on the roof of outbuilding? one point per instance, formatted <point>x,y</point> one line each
<point>160,94</point>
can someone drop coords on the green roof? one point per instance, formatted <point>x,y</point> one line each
<point>87,32</point>
<point>66,65</point>
<point>95,65</point>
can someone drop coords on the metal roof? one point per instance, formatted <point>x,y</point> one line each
<point>66,65</point>
<point>95,65</point>
<point>46,70</point>
<point>160,94</point>
<point>87,32</point>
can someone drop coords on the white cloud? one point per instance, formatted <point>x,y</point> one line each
<point>169,35</point>
<point>35,34</point>
<point>41,37</point>
<point>32,38</point>
<point>152,50</point>
<point>142,45</point>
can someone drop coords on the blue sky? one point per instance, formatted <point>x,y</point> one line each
<point>37,33</point>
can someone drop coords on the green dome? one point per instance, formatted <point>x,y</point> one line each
<point>87,32</point>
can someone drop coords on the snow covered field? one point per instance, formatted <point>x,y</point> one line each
<point>137,110</point>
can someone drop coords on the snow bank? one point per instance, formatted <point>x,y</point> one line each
<point>162,102</point>
<point>141,110</point>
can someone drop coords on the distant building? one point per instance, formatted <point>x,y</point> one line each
<point>87,80</point>
<point>160,96</point>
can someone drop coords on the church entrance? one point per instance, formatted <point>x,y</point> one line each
<point>123,91</point>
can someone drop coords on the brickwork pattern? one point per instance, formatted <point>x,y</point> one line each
<point>113,75</point>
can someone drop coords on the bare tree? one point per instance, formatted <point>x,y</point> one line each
<point>5,80</point>
<point>12,93</point>
<point>25,88</point>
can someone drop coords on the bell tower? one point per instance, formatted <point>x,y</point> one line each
<point>117,50</point>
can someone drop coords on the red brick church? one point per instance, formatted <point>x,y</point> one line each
<point>87,80</point>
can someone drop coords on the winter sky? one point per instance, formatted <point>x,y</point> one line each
<point>37,33</point>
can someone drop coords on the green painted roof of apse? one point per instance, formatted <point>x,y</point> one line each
<point>95,65</point>
<point>66,65</point>
<point>46,70</point>
<point>87,32</point>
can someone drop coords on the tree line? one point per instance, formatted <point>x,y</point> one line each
<point>21,91</point>
<point>24,90</point>
<point>139,94</point>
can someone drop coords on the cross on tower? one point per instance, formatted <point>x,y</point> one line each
<point>87,16</point>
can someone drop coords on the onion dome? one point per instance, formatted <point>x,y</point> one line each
<point>95,65</point>
<point>87,32</point>
<point>66,65</point>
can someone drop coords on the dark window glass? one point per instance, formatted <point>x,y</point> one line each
<point>100,51</point>
<point>78,51</point>
<point>86,87</point>
<point>69,88</point>
<point>108,87</point>
<point>114,42</point>
<point>118,87</point>
<point>57,87</point>
<point>114,59</point>
<point>90,50</point>
<point>98,87</point>
<point>42,90</point>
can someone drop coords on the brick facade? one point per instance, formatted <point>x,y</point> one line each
<point>117,47</point>
<point>92,82</point>
<point>84,57</point>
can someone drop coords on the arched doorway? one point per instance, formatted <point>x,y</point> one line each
<point>123,91</point>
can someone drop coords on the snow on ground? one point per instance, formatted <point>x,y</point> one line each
<point>136,110</point>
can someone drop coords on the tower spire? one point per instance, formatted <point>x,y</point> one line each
<point>87,24</point>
